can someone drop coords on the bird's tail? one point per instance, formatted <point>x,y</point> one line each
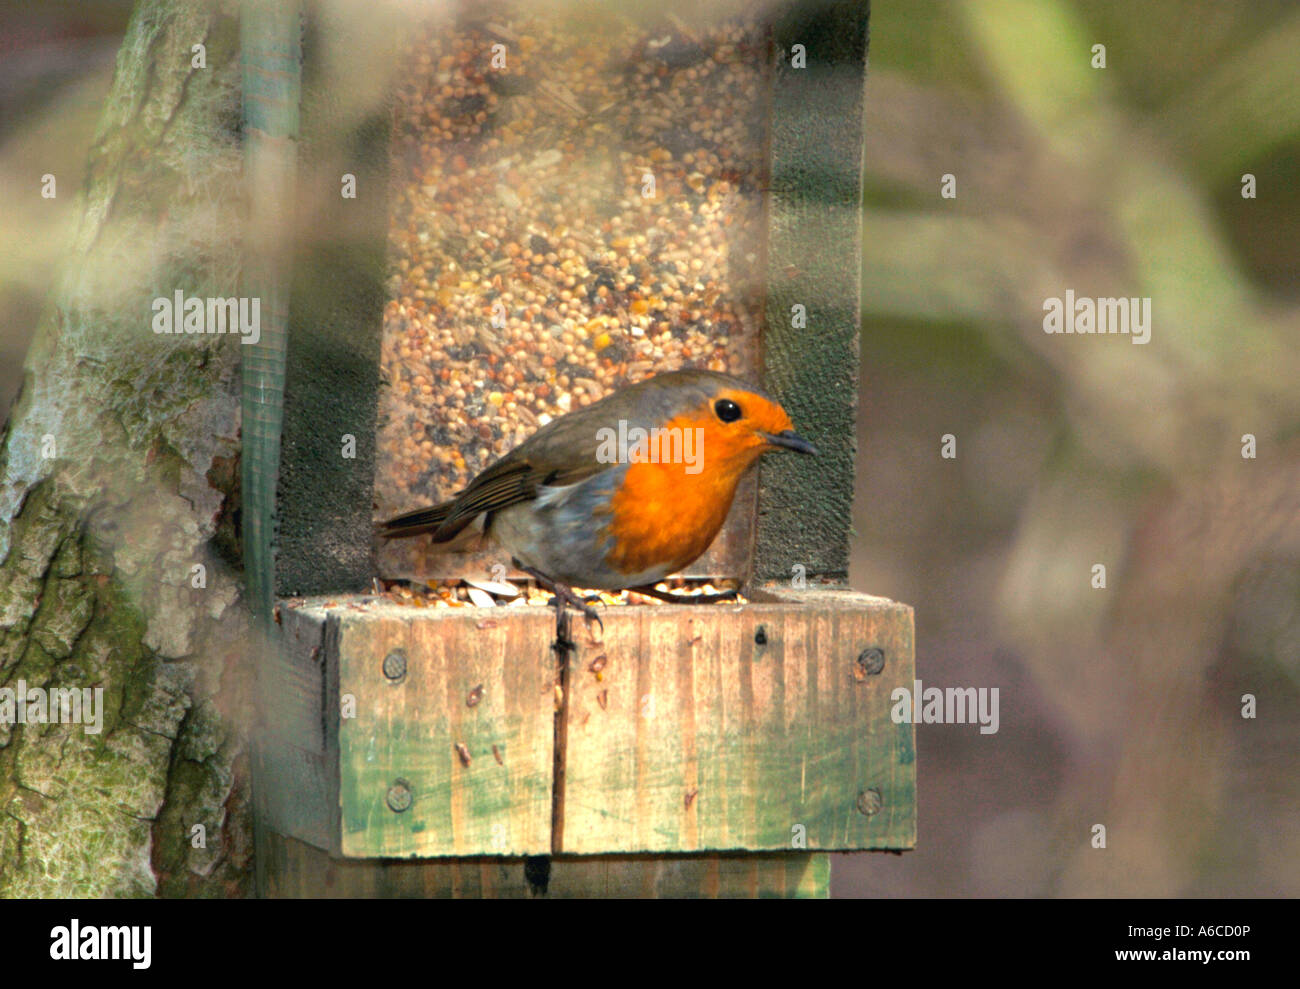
<point>418,522</point>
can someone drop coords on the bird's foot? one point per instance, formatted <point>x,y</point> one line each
<point>564,594</point>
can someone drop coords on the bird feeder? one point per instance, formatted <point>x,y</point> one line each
<point>548,203</point>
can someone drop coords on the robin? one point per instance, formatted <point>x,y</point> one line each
<point>620,493</point>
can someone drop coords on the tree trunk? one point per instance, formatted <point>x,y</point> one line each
<point>119,555</point>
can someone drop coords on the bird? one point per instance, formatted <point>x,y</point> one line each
<point>620,493</point>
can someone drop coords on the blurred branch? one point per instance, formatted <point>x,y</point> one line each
<point>1038,51</point>
<point>1132,677</point>
<point>1241,112</point>
<point>1219,357</point>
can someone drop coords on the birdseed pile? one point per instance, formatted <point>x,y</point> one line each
<point>489,594</point>
<point>576,204</point>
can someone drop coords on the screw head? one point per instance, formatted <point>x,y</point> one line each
<point>869,802</point>
<point>869,662</point>
<point>395,666</point>
<point>399,796</point>
<point>760,636</point>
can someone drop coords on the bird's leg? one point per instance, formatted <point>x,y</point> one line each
<point>654,592</point>
<point>564,594</point>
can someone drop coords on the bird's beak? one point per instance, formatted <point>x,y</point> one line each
<point>790,440</point>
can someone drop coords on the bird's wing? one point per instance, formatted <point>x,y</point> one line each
<point>549,458</point>
<point>562,452</point>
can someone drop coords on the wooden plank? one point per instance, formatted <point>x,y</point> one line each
<point>703,728</point>
<point>748,876</point>
<point>297,870</point>
<point>688,730</point>
<point>404,747</point>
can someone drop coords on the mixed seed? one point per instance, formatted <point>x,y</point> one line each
<point>577,202</point>
<point>469,593</point>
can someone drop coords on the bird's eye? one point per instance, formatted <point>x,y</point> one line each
<point>727,410</point>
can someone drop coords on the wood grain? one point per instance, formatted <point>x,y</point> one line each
<point>424,730</point>
<point>693,736</point>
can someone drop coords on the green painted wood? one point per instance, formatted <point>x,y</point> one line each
<point>686,729</point>
<point>416,728</point>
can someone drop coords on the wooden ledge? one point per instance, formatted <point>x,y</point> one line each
<point>398,731</point>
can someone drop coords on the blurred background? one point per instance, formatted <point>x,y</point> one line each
<point>56,61</point>
<point>1121,705</point>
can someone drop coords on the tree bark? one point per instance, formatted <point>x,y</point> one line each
<point>119,468</point>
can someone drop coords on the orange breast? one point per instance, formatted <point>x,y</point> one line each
<point>666,515</point>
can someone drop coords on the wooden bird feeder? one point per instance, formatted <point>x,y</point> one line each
<point>710,749</point>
